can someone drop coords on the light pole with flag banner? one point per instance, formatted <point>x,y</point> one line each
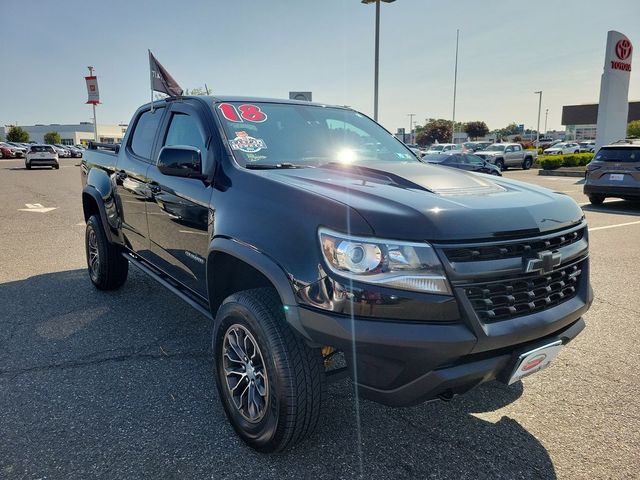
<point>93,98</point>
<point>161,80</point>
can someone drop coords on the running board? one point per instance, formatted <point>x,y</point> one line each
<point>168,283</point>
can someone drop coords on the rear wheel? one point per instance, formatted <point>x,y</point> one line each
<point>526,165</point>
<point>596,199</point>
<point>270,381</point>
<point>108,269</point>
<point>27,165</point>
<point>57,166</point>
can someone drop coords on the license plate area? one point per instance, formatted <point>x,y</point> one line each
<point>616,177</point>
<point>533,361</point>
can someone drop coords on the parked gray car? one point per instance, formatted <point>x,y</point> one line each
<point>614,172</point>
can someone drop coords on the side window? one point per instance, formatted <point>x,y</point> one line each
<point>184,130</point>
<point>517,148</point>
<point>145,132</point>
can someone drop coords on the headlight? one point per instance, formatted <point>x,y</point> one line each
<point>389,263</point>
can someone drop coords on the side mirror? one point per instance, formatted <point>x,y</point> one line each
<point>181,161</point>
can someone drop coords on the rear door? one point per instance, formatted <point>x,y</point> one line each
<point>131,178</point>
<point>179,211</point>
<point>514,156</point>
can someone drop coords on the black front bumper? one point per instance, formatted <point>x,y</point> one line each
<point>401,362</point>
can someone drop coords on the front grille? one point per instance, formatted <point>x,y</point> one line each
<point>512,249</point>
<point>503,300</point>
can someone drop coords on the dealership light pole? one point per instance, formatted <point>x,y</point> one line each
<point>539,110</point>
<point>377,54</point>
<point>455,87</point>
<point>411,115</point>
<point>546,117</point>
<point>95,124</point>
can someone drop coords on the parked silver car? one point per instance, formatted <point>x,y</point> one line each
<point>504,155</point>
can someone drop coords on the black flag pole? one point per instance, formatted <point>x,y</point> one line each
<point>151,79</point>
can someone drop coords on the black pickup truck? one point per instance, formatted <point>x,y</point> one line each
<point>320,246</point>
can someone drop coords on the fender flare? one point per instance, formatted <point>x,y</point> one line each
<point>267,267</point>
<point>258,260</point>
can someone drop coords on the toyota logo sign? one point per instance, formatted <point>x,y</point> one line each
<point>623,49</point>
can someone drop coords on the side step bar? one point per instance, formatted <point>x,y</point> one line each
<point>168,283</point>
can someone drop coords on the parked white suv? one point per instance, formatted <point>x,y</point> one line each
<point>41,155</point>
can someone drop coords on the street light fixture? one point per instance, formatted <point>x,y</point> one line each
<point>539,109</point>
<point>377,54</point>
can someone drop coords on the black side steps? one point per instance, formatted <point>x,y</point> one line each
<point>169,284</point>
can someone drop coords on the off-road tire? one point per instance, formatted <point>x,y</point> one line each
<point>294,372</point>
<point>526,164</point>
<point>27,166</point>
<point>112,268</point>
<point>56,166</point>
<point>500,164</point>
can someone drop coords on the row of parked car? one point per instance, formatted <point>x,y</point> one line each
<point>20,150</point>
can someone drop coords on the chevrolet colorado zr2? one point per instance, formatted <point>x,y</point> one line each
<point>305,230</point>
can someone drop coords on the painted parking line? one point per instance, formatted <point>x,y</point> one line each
<point>614,226</point>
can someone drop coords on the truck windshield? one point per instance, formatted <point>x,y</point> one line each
<point>264,134</point>
<point>495,148</point>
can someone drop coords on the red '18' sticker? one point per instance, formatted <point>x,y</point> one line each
<point>250,113</point>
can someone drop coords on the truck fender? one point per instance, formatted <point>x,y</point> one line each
<point>263,264</point>
<point>100,191</point>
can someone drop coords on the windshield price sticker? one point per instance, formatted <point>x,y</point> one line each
<point>248,112</point>
<point>245,143</point>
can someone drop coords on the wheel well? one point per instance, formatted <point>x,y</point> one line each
<point>89,206</point>
<point>227,275</point>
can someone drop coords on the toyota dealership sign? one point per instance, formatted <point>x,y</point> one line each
<point>613,108</point>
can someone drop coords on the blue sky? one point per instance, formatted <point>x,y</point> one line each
<point>267,48</point>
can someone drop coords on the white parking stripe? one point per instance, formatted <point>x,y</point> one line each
<point>614,226</point>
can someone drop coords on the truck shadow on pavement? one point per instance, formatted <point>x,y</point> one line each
<point>119,385</point>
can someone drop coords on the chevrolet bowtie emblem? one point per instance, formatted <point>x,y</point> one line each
<point>545,262</point>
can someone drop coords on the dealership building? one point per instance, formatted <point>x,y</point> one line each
<point>581,120</point>
<point>81,133</point>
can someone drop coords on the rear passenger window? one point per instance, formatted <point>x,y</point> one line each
<point>145,133</point>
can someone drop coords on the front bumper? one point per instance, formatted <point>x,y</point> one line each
<point>405,348</point>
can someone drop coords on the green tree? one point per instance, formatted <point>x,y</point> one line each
<point>195,91</point>
<point>511,129</point>
<point>17,134</point>
<point>435,130</point>
<point>52,137</point>
<point>476,129</point>
<point>633,129</point>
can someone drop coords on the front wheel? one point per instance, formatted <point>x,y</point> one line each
<point>108,269</point>
<point>270,381</point>
<point>27,166</point>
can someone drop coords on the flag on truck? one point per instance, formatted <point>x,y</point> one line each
<point>161,80</point>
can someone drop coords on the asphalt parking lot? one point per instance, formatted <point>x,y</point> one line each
<point>119,384</point>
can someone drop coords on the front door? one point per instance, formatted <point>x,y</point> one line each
<point>178,216</point>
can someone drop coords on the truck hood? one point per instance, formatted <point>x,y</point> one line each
<point>417,201</point>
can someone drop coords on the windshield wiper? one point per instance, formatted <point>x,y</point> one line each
<point>272,166</point>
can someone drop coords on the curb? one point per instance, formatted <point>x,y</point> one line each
<point>555,173</point>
